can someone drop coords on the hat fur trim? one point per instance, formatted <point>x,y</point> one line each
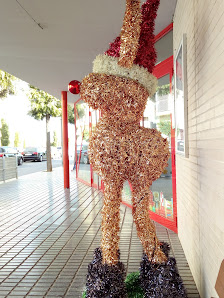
<point>109,66</point>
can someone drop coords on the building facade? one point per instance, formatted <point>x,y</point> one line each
<point>200,187</point>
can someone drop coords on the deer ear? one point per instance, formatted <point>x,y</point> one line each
<point>130,33</point>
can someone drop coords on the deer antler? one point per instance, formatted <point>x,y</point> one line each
<point>130,33</point>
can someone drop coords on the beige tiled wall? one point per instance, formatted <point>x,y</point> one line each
<point>200,177</point>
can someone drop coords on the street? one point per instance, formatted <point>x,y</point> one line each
<point>30,167</point>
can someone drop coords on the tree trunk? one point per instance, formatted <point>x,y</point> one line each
<point>48,143</point>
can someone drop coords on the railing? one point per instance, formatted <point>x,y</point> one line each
<point>8,168</point>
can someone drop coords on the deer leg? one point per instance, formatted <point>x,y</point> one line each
<point>145,228</point>
<point>106,274</point>
<point>111,221</point>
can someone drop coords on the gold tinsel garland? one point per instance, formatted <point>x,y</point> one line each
<point>130,33</point>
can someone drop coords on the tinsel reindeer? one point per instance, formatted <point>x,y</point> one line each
<point>120,149</point>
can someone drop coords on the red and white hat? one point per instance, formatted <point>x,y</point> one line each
<point>132,54</point>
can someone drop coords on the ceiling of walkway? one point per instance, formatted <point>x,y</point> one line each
<point>69,36</point>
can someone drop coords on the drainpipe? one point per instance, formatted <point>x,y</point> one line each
<point>65,138</point>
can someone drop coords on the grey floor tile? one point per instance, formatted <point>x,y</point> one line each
<point>48,237</point>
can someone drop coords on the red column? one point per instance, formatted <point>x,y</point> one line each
<point>65,138</point>
<point>76,161</point>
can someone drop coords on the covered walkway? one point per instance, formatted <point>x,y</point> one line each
<point>48,234</point>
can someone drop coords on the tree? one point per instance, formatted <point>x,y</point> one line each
<point>70,110</point>
<point>163,90</point>
<point>55,140</point>
<point>4,133</point>
<point>165,127</point>
<point>86,135</point>
<point>6,84</point>
<point>80,112</point>
<point>43,105</point>
<point>16,140</point>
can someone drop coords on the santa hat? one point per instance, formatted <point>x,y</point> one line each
<point>132,54</point>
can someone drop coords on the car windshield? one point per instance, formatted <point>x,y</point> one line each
<point>30,149</point>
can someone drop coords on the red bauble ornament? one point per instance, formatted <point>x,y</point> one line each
<point>74,87</point>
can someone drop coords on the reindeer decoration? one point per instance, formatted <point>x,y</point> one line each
<point>120,149</point>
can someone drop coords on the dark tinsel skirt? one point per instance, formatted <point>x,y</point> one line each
<point>105,281</point>
<point>161,280</point>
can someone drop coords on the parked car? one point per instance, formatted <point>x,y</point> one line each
<point>9,151</point>
<point>84,155</point>
<point>34,154</point>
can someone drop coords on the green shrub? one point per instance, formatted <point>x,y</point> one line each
<point>133,286</point>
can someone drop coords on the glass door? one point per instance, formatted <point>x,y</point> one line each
<point>158,114</point>
<point>163,207</point>
<point>95,116</point>
<point>85,123</point>
<point>82,131</point>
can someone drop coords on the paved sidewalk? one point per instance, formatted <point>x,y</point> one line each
<point>48,235</point>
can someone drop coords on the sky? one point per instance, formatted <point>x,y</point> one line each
<point>14,109</point>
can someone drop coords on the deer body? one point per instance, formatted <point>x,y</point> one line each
<point>126,149</point>
<point>121,150</point>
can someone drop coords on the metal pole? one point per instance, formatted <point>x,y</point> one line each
<point>75,119</point>
<point>65,138</point>
<point>3,168</point>
<point>16,158</point>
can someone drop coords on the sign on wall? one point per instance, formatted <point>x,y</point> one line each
<point>180,95</point>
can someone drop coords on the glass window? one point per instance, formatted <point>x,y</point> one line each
<point>82,135</point>
<point>95,115</point>
<point>86,121</point>
<point>163,97</point>
<point>164,47</point>
<point>157,115</point>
